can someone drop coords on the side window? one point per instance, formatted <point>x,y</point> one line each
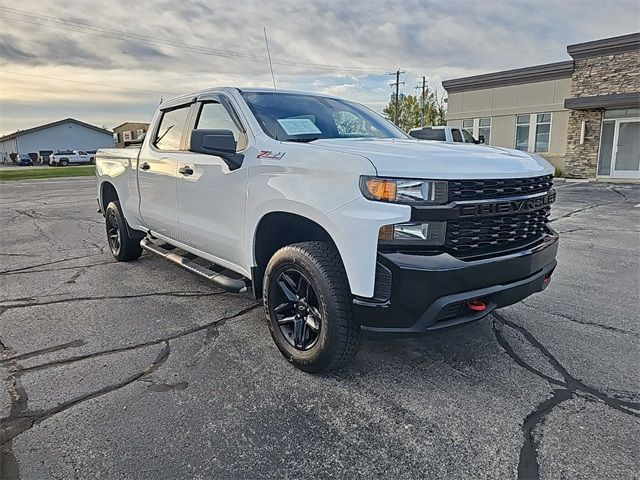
<point>214,115</point>
<point>456,135</point>
<point>171,128</point>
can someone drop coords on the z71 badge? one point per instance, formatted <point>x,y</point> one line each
<point>270,154</point>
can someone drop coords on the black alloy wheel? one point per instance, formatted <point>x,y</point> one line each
<point>124,242</point>
<point>297,309</point>
<point>309,306</point>
<point>113,232</point>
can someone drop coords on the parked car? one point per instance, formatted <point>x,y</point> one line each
<point>24,160</point>
<point>445,134</point>
<point>331,215</point>
<point>70,157</point>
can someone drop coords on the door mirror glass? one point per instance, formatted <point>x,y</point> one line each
<point>218,142</point>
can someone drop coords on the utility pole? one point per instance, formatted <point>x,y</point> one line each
<point>422,99</point>
<point>397,84</point>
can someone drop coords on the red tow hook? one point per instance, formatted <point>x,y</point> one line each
<point>476,305</point>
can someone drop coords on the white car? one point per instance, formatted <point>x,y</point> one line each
<point>71,157</point>
<point>445,134</point>
<point>336,219</point>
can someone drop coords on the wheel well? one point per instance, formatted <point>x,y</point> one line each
<point>279,229</point>
<point>108,194</point>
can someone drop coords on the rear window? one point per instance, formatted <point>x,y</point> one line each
<point>456,135</point>
<point>429,134</point>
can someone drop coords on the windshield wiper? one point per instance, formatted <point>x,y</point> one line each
<point>302,140</point>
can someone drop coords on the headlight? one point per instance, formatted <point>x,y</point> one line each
<point>413,233</point>
<point>406,191</point>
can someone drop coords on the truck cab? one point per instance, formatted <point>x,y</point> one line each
<point>336,219</point>
<point>445,134</point>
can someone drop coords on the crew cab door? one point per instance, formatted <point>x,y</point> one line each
<point>211,195</point>
<point>157,170</point>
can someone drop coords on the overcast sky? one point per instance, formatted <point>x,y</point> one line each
<point>62,59</point>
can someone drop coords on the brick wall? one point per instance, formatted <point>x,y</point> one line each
<point>619,73</point>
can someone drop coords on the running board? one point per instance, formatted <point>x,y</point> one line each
<point>227,283</point>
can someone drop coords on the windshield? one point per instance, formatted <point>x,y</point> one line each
<point>305,118</point>
<point>468,138</point>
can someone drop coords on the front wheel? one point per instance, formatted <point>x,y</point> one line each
<point>123,246</point>
<point>309,306</point>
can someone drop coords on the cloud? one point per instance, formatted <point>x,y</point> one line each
<point>163,45</point>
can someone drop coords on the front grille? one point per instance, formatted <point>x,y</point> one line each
<point>499,188</point>
<point>480,235</point>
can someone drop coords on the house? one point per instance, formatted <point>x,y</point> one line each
<point>67,134</point>
<point>128,131</point>
<point>583,114</point>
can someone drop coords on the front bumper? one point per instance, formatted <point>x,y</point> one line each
<point>422,293</point>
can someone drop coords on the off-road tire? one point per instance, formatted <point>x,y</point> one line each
<point>339,337</point>
<point>127,247</point>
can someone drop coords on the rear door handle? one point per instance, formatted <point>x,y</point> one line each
<point>145,166</point>
<point>186,170</point>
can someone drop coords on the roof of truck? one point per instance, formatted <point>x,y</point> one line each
<point>188,96</point>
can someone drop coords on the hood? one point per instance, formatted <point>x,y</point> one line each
<point>423,159</point>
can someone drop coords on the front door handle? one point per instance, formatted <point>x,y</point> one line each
<point>186,170</point>
<point>145,166</point>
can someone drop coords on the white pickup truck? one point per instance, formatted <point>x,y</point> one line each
<point>445,134</point>
<point>71,157</point>
<point>339,221</point>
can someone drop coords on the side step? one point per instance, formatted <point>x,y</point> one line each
<point>219,279</point>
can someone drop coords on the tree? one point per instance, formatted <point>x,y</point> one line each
<point>409,111</point>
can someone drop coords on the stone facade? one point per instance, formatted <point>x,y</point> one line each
<point>601,75</point>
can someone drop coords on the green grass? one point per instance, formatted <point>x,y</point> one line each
<point>25,173</point>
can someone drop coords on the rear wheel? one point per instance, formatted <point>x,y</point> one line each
<point>123,246</point>
<point>63,162</point>
<point>308,302</point>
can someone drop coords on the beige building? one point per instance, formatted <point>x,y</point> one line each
<point>583,114</point>
<point>128,132</point>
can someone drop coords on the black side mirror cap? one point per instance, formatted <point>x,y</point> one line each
<point>219,142</point>
<point>480,139</point>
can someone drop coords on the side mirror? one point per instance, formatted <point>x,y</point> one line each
<point>218,142</point>
<point>213,142</point>
<point>480,139</point>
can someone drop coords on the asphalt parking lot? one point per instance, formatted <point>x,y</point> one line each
<point>142,370</point>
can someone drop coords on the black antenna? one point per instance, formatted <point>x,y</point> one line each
<point>273,77</point>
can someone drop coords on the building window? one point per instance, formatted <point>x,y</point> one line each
<point>522,132</point>
<point>468,124</point>
<point>543,130</point>
<point>484,129</point>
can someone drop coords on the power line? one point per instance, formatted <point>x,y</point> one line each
<point>23,75</point>
<point>81,27</point>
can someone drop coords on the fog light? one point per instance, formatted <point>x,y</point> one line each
<point>414,233</point>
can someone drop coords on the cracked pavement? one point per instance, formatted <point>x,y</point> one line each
<point>143,370</point>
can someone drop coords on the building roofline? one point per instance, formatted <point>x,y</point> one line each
<point>124,123</point>
<point>53,124</point>
<point>614,100</point>
<point>537,73</point>
<point>605,46</point>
